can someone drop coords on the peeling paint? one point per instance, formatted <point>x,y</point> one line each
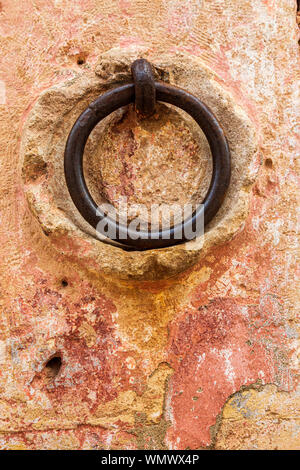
<point>207,357</point>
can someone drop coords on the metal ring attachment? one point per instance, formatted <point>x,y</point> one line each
<point>144,91</point>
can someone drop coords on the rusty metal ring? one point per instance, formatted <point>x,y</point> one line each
<point>105,105</point>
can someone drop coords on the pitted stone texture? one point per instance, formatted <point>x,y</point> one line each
<point>43,145</point>
<point>164,160</point>
<point>260,418</point>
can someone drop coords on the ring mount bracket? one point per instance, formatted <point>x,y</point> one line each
<point>144,87</point>
<point>44,137</point>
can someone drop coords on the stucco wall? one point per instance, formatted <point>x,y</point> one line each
<point>207,358</point>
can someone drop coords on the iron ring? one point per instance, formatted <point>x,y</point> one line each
<point>110,102</point>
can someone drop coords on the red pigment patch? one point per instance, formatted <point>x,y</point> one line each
<point>215,350</point>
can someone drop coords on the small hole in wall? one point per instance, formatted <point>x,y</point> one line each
<point>64,283</point>
<point>269,163</point>
<point>53,367</point>
<point>49,372</point>
<point>80,60</point>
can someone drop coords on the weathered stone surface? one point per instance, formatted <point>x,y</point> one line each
<point>261,418</point>
<point>162,160</point>
<point>44,180</point>
<point>206,358</point>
